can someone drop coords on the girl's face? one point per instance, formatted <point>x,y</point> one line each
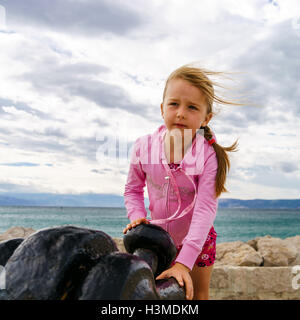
<point>184,107</point>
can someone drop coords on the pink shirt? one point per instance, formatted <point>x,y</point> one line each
<point>181,200</point>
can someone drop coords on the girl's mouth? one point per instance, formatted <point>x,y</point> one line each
<point>180,125</point>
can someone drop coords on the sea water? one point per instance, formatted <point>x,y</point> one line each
<point>230,224</point>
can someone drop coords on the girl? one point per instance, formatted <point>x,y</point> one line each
<point>185,174</point>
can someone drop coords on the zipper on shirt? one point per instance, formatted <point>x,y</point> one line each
<point>167,202</point>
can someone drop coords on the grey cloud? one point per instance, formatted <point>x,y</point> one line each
<point>268,82</point>
<point>30,141</point>
<point>134,78</point>
<point>274,63</point>
<point>106,95</point>
<point>85,147</point>
<point>100,122</point>
<point>48,73</point>
<point>20,164</point>
<point>103,171</point>
<point>88,18</point>
<point>5,131</point>
<point>276,167</point>
<point>76,80</point>
<point>49,131</point>
<point>276,179</point>
<point>22,106</point>
<point>65,148</point>
<point>275,175</point>
<point>82,68</point>
<point>123,172</point>
<point>88,147</point>
<point>288,167</point>
<point>18,105</point>
<point>56,141</point>
<point>238,119</point>
<point>237,172</point>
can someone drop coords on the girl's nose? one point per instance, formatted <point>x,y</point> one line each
<point>181,112</point>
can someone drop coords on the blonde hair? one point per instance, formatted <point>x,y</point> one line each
<point>198,77</point>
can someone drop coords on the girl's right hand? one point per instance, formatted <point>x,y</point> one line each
<point>135,223</point>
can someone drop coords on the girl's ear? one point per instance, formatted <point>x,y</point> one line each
<point>162,109</point>
<point>207,119</point>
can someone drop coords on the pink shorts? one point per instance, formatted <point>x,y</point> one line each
<point>208,254</point>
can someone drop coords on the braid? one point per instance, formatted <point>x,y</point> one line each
<point>223,161</point>
<point>207,133</point>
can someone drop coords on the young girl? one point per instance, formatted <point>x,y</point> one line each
<point>185,171</point>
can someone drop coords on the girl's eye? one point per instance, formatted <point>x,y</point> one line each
<point>175,103</point>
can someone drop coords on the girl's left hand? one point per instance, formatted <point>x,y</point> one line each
<point>182,274</point>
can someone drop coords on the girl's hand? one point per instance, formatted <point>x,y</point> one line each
<point>182,274</point>
<point>135,223</point>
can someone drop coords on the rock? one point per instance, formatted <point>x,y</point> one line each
<point>16,232</point>
<point>237,253</point>
<point>295,242</point>
<point>253,283</point>
<point>253,242</point>
<point>276,252</point>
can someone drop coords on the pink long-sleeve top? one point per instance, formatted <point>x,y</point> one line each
<point>181,200</point>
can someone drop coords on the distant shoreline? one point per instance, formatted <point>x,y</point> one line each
<point>93,200</point>
<point>147,208</point>
<point>113,207</point>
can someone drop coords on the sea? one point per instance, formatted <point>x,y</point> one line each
<point>230,224</point>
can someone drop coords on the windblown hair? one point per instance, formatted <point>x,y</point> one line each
<point>198,77</point>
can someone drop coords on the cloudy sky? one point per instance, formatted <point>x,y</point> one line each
<point>78,75</point>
